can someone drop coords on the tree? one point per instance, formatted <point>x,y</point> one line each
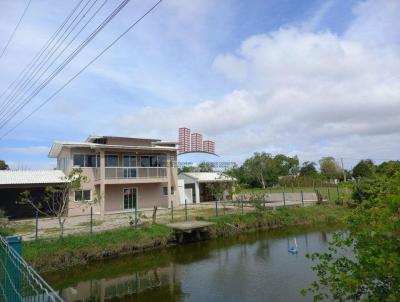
<point>389,168</point>
<point>205,167</point>
<point>186,169</point>
<point>57,198</point>
<point>363,262</point>
<point>330,168</point>
<point>364,168</point>
<point>286,165</point>
<point>3,165</point>
<point>260,169</point>
<point>219,188</point>
<point>308,168</point>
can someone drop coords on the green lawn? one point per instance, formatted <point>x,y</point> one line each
<point>329,193</point>
<point>75,249</point>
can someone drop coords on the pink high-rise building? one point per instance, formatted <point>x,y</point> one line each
<point>196,142</point>
<point>184,140</point>
<point>208,146</point>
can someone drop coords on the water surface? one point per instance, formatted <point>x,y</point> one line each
<point>252,267</point>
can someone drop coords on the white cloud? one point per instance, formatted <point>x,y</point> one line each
<point>301,92</point>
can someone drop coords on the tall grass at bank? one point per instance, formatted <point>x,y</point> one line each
<point>278,218</point>
<point>78,249</point>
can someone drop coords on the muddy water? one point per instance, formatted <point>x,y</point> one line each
<point>252,267</point>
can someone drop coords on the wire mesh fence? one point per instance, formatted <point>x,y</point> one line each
<point>241,202</point>
<point>19,281</point>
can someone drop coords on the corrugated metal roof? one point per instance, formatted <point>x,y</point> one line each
<point>17,177</point>
<point>208,176</point>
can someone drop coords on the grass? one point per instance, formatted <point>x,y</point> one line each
<point>281,217</point>
<point>22,228</point>
<point>332,194</point>
<point>51,254</point>
<point>87,223</point>
<point>78,249</point>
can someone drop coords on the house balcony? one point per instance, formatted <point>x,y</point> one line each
<point>121,175</point>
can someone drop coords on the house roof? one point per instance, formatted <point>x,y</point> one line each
<point>58,145</point>
<point>208,176</point>
<point>16,177</point>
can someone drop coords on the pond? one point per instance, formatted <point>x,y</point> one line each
<point>252,267</point>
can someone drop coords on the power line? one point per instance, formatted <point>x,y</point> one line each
<point>65,62</point>
<point>15,29</point>
<point>83,69</point>
<point>38,55</point>
<point>20,90</point>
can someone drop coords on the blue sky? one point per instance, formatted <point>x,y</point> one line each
<point>306,78</point>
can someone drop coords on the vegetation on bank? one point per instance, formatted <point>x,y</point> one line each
<point>48,254</point>
<point>54,254</point>
<point>363,262</point>
<point>279,218</point>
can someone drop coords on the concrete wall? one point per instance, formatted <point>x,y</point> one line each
<point>149,195</point>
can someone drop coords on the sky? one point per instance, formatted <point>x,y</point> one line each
<point>308,78</point>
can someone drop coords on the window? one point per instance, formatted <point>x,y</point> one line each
<point>165,190</point>
<point>111,160</point>
<point>153,161</point>
<point>145,161</point>
<point>86,160</point>
<point>79,160</point>
<point>83,195</point>
<point>129,161</point>
<point>162,161</point>
<point>92,161</point>
<point>130,198</point>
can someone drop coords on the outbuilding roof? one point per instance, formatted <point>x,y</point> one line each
<point>208,176</point>
<point>18,177</point>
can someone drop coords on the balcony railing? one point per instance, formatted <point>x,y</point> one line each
<point>132,172</point>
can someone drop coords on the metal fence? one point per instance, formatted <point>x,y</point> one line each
<point>19,281</point>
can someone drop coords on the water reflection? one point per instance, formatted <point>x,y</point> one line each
<point>247,268</point>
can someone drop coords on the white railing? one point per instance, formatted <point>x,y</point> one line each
<point>131,172</point>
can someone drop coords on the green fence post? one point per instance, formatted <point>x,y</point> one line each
<point>337,190</point>
<point>216,208</point>
<point>135,216</point>
<point>302,198</point>
<point>91,220</point>
<point>329,195</point>
<point>36,225</point>
<point>186,217</point>
<point>241,200</point>
<point>284,199</point>
<point>292,188</point>
<point>172,210</point>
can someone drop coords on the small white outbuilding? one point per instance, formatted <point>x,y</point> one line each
<point>193,188</point>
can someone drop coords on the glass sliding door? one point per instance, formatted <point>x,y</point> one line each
<point>129,163</point>
<point>130,198</point>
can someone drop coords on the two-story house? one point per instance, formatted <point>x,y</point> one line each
<point>122,173</point>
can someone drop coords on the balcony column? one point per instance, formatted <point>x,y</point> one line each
<point>168,173</point>
<point>102,182</point>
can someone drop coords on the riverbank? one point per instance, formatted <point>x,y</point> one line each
<point>47,255</point>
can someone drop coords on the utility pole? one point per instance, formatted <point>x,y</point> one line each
<point>344,171</point>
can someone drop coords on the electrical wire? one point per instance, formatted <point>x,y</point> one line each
<point>15,29</point>
<point>82,70</point>
<point>65,62</point>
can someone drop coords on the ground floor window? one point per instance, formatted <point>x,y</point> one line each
<point>130,198</point>
<point>165,190</point>
<point>83,195</point>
